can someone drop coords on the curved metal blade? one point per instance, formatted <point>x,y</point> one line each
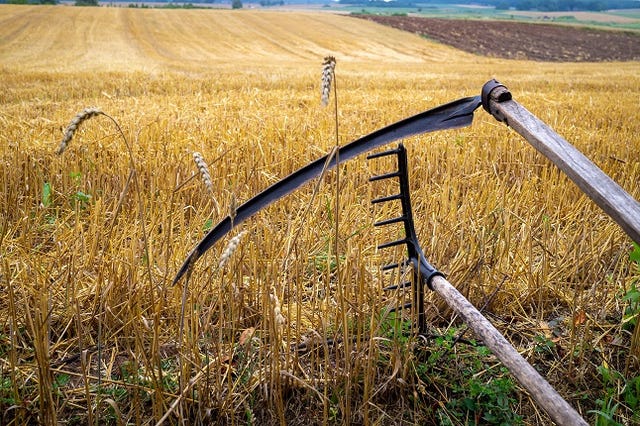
<point>449,116</point>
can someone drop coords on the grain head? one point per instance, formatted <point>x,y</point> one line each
<point>204,170</point>
<point>81,117</point>
<point>328,72</point>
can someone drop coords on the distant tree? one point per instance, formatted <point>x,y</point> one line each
<point>236,4</point>
<point>596,5</point>
<point>525,5</point>
<point>87,3</point>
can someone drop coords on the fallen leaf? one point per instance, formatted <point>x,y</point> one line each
<point>246,335</point>
<point>579,318</point>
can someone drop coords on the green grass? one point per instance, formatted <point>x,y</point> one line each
<point>432,11</point>
<point>629,13</point>
<point>478,389</point>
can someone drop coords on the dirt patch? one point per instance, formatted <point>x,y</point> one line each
<point>520,40</point>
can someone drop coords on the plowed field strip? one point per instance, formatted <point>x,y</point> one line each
<point>519,40</point>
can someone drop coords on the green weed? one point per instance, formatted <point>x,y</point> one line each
<point>621,398</point>
<point>634,256</point>
<point>395,327</point>
<point>478,391</point>
<point>544,345</point>
<point>631,312</point>
<point>632,296</point>
<point>46,195</point>
<point>7,398</point>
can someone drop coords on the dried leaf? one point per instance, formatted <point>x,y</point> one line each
<point>579,317</point>
<point>246,335</point>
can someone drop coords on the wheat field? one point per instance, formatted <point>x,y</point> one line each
<point>292,326</point>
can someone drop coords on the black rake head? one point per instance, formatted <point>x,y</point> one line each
<point>423,271</point>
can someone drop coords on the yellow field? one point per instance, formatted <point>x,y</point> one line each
<point>119,39</point>
<point>91,239</point>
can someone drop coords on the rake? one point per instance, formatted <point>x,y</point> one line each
<point>497,100</point>
<point>422,270</point>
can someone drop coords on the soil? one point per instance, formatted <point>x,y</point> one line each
<point>520,40</point>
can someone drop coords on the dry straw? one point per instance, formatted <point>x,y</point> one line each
<point>328,70</point>
<point>233,208</point>
<point>82,116</point>
<point>204,170</point>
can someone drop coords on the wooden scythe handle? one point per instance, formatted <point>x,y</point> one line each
<point>607,194</point>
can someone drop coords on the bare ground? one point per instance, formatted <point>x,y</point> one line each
<point>520,40</point>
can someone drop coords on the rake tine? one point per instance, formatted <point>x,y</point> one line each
<point>393,243</point>
<point>390,221</point>
<point>399,308</point>
<point>385,176</point>
<point>383,153</point>
<point>398,286</point>
<point>390,266</point>
<point>385,199</point>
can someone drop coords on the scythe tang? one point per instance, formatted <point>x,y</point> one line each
<point>452,115</point>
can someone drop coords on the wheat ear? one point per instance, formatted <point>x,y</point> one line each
<point>82,116</point>
<point>277,311</point>
<point>204,170</point>
<point>231,247</point>
<point>328,69</point>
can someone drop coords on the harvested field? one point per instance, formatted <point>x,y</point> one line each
<point>159,40</point>
<point>286,321</point>
<point>519,40</point>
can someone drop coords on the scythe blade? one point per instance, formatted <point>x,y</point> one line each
<point>455,114</point>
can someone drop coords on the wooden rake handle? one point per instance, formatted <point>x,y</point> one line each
<point>560,411</point>
<point>607,194</point>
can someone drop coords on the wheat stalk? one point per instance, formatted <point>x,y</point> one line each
<point>328,77</point>
<point>233,208</point>
<point>328,70</point>
<point>82,116</point>
<point>204,170</point>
